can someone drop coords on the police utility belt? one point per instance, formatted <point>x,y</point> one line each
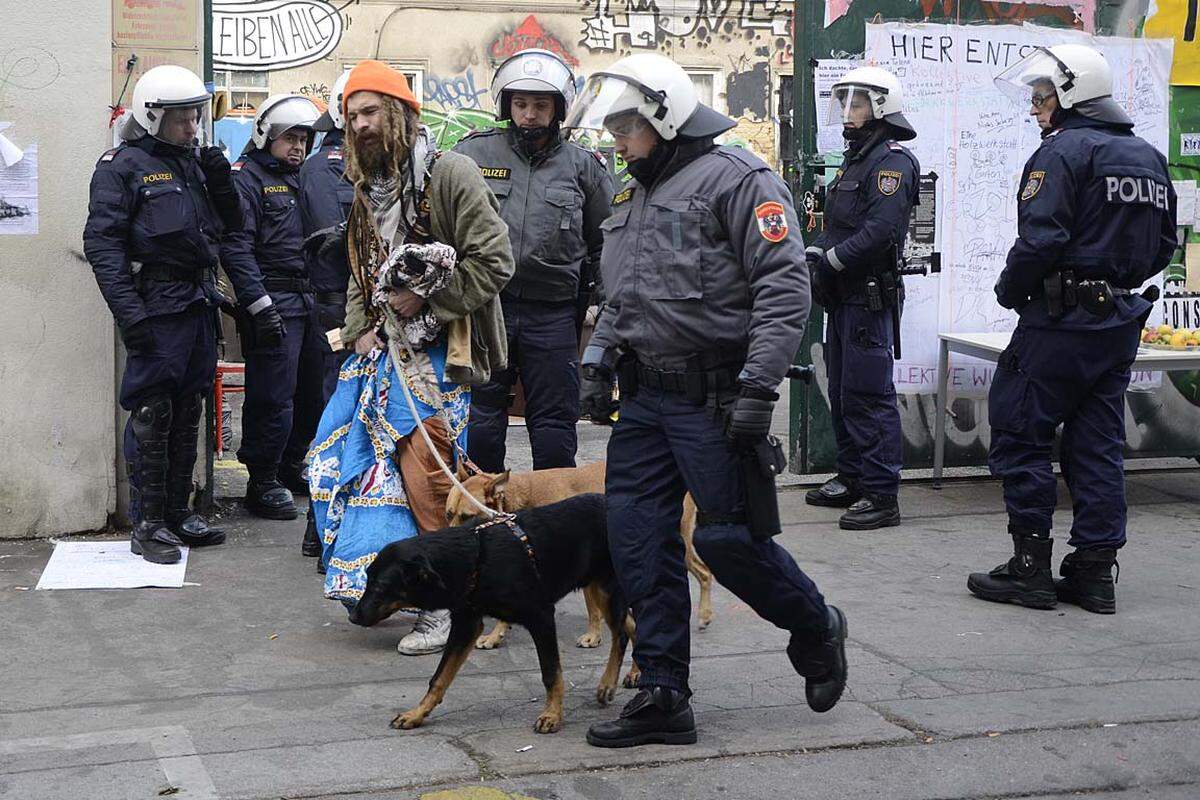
<point>695,384</point>
<point>1063,292</point>
<point>277,282</point>
<point>167,273</point>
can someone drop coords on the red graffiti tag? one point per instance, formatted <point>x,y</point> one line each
<point>529,34</point>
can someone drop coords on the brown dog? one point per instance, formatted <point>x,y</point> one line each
<point>512,492</point>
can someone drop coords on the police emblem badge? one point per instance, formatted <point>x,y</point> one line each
<point>1036,179</point>
<point>772,222</point>
<point>889,181</point>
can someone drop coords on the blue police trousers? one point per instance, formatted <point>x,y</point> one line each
<point>543,349</point>
<point>181,364</point>
<point>284,395</point>
<point>1078,379</point>
<point>662,446</point>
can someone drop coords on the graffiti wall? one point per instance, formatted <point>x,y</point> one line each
<point>737,50</point>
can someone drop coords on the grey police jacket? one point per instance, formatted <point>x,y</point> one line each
<point>553,205</point>
<point>707,261</point>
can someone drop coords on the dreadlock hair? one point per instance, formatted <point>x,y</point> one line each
<point>399,134</point>
<point>365,250</point>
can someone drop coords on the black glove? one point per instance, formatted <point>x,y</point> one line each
<point>749,418</point>
<point>820,279</point>
<point>138,336</point>
<point>216,168</point>
<point>268,328</point>
<point>595,395</point>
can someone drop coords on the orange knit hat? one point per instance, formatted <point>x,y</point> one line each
<point>375,76</point>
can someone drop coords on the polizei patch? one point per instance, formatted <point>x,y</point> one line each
<point>889,181</point>
<point>496,173</point>
<point>772,223</point>
<point>1128,190</point>
<point>1036,179</point>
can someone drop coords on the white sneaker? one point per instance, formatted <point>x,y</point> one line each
<point>428,635</point>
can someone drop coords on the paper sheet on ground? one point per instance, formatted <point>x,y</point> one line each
<point>107,565</point>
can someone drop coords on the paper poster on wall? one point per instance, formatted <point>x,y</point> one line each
<point>19,194</point>
<point>977,141</point>
<point>1189,144</point>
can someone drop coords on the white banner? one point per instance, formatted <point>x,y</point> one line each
<point>977,141</point>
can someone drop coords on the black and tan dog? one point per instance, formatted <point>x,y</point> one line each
<point>488,569</point>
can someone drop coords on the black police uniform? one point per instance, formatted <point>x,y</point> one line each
<point>152,238</point>
<point>284,381</point>
<point>553,202</point>
<point>1095,219</point>
<point>325,200</point>
<point>707,298</point>
<point>866,220</point>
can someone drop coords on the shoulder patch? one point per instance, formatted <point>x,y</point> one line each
<point>889,181</point>
<point>111,154</point>
<point>599,157</point>
<point>336,153</point>
<point>772,222</point>
<point>496,173</point>
<point>1036,179</point>
<point>622,196</point>
<point>899,148</point>
<point>237,166</point>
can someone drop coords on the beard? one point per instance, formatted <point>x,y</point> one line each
<point>373,154</point>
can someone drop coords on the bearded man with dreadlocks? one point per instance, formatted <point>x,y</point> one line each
<point>428,255</point>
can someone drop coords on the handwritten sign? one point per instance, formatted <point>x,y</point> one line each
<point>262,35</point>
<point>977,141</point>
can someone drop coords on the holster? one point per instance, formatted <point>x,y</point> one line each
<point>627,374</point>
<point>1059,290</point>
<point>759,466</point>
<point>1097,298</point>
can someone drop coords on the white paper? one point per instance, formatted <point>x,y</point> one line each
<point>9,152</point>
<point>1186,192</point>
<point>1189,144</point>
<point>977,141</point>
<point>19,194</point>
<point>107,565</point>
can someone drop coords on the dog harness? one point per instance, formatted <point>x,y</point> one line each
<point>508,520</point>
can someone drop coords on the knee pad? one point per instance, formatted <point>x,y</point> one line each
<point>152,418</point>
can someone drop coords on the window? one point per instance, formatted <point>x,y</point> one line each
<point>705,80</point>
<point>413,73</point>
<point>246,90</point>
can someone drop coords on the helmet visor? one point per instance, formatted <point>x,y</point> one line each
<point>1032,79</point>
<point>607,101</point>
<point>183,123</point>
<point>852,103</point>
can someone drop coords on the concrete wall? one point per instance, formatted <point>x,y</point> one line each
<point>56,336</point>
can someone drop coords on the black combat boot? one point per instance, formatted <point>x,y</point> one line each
<point>1087,580</point>
<point>871,512</point>
<point>151,539</point>
<point>655,715</point>
<point>266,497</point>
<point>311,546</point>
<point>294,478</point>
<point>189,527</point>
<point>1025,579</point>
<point>840,491</point>
<point>823,664</point>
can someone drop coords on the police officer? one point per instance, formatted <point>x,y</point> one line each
<point>854,265</point>
<point>325,200</point>
<point>707,298</point>
<point>284,345</point>
<point>158,204</point>
<point>553,196</point>
<point>1095,219</point>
